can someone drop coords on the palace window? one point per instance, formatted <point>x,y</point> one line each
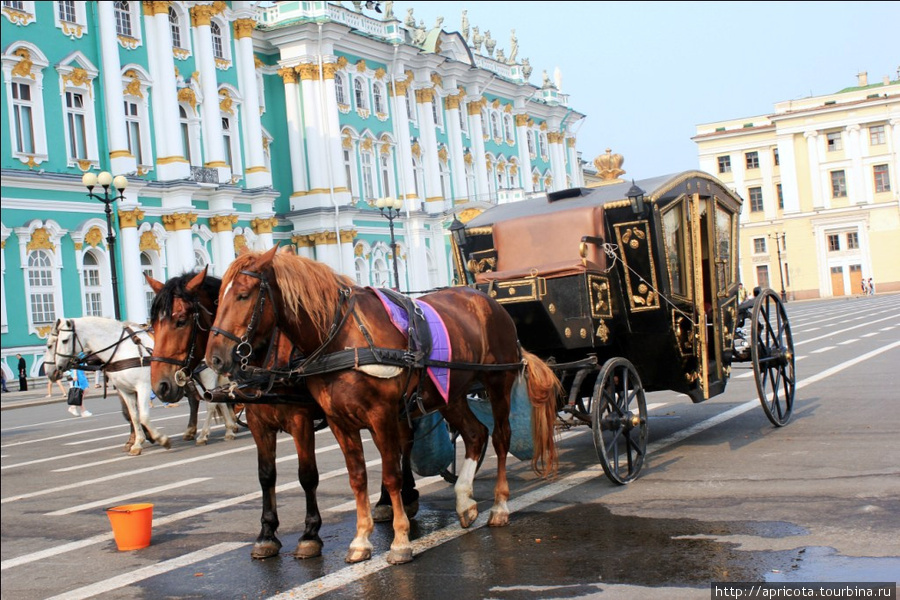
<point>756,199</point>
<point>147,270</point>
<point>386,174</point>
<point>834,242</point>
<point>175,27</point>
<point>14,5</point>
<point>724,164</point>
<point>91,285</point>
<point>340,94</point>
<point>185,134</point>
<point>41,287</point>
<point>368,175</point>
<point>23,134</point>
<point>133,129</point>
<point>876,135</point>
<point>228,138</point>
<point>495,126</point>
<point>759,245</point>
<point>882,178</point>
<point>66,11</point>
<point>838,184</point>
<point>542,143</point>
<point>348,171</point>
<point>762,276</point>
<point>752,160</point>
<point>411,105</point>
<point>530,137</point>
<point>780,192</point>
<point>463,122</point>
<point>775,158</point>
<point>853,240</point>
<point>217,41</point>
<point>833,141</point>
<point>508,125</point>
<point>123,19</point>
<point>359,94</point>
<point>436,112</point>
<point>75,123</point>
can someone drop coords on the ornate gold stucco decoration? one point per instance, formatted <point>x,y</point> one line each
<point>130,218</point>
<point>288,74</point>
<point>220,223</point>
<point>240,242</point>
<point>40,240</point>
<point>261,226</point>
<point>134,86</point>
<point>361,66</point>
<point>179,221</point>
<point>226,105</point>
<point>187,95</point>
<point>19,17</point>
<point>93,237</point>
<point>24,66</point>
<point>243,28</point>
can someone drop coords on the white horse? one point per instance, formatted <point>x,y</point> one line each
<point>122,351</point>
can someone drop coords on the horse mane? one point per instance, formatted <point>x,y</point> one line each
<point>177,288</point>
<point>304,283</point>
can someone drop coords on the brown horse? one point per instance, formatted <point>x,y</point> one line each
<point>181,315</point>
<point>330,321</point>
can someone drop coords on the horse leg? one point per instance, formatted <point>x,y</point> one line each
<point>383,512</point>
<point>385,436</point>
<point>125,413</point>
<point>142,398</point>
<point>228,416</point>
<point>310,544</point>
<point>129,399</point>
<point>474,436</point>
<point>191,431</point>
<point>203,438</point>
<point>264,435</point>
<point>498,390</point>
<point>351,445</point>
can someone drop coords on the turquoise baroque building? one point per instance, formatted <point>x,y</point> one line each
<point>240,125</point>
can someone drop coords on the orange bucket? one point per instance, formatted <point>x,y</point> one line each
<point>131,525</point>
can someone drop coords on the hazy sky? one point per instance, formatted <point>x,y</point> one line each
<point>647,73</point>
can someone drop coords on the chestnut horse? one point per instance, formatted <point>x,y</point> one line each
<point>330,321</point>
<point>181,315</point>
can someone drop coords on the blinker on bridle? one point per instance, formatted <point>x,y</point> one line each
<point>243,349</point>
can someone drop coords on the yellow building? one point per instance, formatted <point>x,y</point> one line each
<point>821,194</point>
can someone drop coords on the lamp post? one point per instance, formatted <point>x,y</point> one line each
<point>779,240</point>
<point>390,210</point>
<point>120,182</point>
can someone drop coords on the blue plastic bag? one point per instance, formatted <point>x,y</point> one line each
<point>432,450</point>
<point>521,442</point>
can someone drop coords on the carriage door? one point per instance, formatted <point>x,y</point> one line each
<point>706,305</point>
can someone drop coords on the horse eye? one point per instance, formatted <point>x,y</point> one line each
<point>180,323</point>
<point>242,296</point>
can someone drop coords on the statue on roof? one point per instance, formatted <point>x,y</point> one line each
<point>501,57</point>
<point>526,68</point>
<point>410,20</point>
<point>357,6</point>
<point>465,26</point>
<point>439,22</point>
<point>389,10</point>
<point>419,34</point>
<point>513,47</point>
<point>477,39</point>
<point>547,83</point>
<point>489,43</point>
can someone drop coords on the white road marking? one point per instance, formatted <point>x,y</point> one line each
<point>850,341</point>
<point>825,349</point>
<point>107,502</point>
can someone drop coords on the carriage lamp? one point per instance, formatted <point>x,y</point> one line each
<point>458,233</point>
<point>636,197</point>
<point>390,210</point>
<point>120,182</point>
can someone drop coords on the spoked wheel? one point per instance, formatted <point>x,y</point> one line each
<point>619,420</point>
<point>772,353</point>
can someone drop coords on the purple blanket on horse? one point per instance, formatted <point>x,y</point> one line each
<point>440,347</point>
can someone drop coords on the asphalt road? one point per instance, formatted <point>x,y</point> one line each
<point>724,496</point>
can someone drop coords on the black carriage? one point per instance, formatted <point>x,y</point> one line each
<point>626,288</point>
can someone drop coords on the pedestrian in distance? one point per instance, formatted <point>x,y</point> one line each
<point>864,286</point>
<point>3,374</point>
<point>742,292</point>
<point>23,373</point>
<point>80,380</point>
<point>59,384</point>
<point>871,287</point>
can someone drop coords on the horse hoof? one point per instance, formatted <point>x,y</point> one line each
<point>266,549</point>
<point>135,451</point>
<point>308,549</point>
<point>166,443</point>
<point>382,513</point>
<point>468,517</point>
<point>188,437</point>
<point>202,442</point>
<point>398,557</point>
<point>411,509</point>
<point>355,556</point>
<point>229,436</point>
<point>498,519</point>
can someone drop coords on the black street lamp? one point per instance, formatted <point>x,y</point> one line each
<point>779,240</point>
<point>390,210</point>
<point>119,182</point>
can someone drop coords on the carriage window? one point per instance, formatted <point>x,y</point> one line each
<point>724,262</point>
<point>676,249</point>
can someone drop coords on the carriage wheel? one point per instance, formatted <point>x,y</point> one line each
<point>772,353</point>
<point>619,420</point>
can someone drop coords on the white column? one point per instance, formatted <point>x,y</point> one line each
<point>222,227</point>
<point>256,173</point>
<point>524,155</point>
<point>170,161</point>
<point>476,130</point>
<point>213,144</point>
<point>262,227</point>
<point>315,143</point>
<point>179,245</point>
<point>856,178</point>
<point>128,245</point>
<point>332,136</point>
<point>788,168</point>
<point>407,185</point>
<point>815,177</point>
<point>457,158</point>
<point>428,142</point>
<point>557,160</point>
<point>120,159</point>
<point>294,135</point>
<point>574,165</point>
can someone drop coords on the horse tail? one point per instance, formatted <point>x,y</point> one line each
<point>544,389</point>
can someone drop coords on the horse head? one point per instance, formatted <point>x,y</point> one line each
<point>50,370</point>
<point>67,346</point>
<point>181,316</point>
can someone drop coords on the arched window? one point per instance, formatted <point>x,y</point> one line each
<point>463,123</point>
<point>361,270</point>
<point>123,19</point>
<point>359,91</point>
<point>147,269</point>
<point>436,111</point>
<point>378,95</point>
<point>386,174</point>
<point>495,126</point>
<point>228,138</point>
<point>218,44</point>
<point>530,137</point>
<point>199,260</point>
<point>185,132</point>
<point>175,26</point>
<point>508,125</point>
<point>41,286</point>
<point>368,175</point>
<point>91,286</point>
<point>411,105</point>
<point>380,275</point>
<point>340,93</point>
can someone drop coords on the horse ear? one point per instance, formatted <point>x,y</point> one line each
<point>156,285</point>
<point>196,281</point>
<point>266,258</point>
